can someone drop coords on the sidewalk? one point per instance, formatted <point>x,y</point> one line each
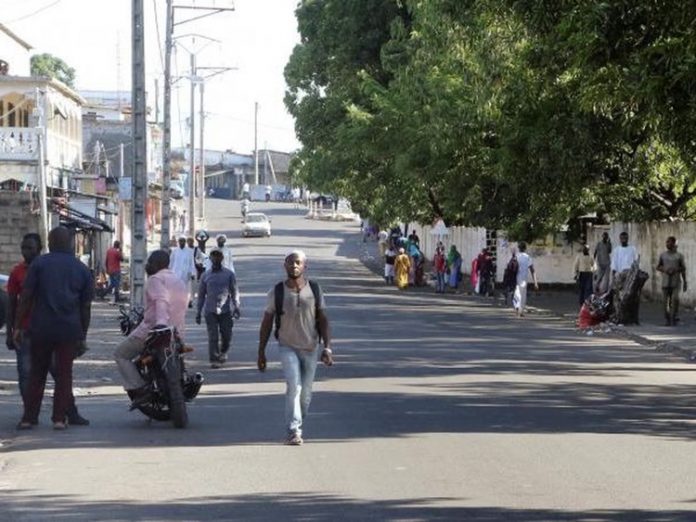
<point>679,340</point>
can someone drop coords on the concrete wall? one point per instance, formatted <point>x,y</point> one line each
<point>17,218</point>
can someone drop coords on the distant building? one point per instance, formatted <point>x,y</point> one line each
<point>227,171</point>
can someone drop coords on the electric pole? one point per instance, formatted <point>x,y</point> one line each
<point>256,141</point>
<point>192,137</point>
<point>139,179</point>
<point>167,131</point>
<point>201,159</point>
<point>167,104</point>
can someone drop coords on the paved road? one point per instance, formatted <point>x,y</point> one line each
<point>437,409</point>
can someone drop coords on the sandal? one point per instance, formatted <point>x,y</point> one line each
<point>24,425</point>
<point>59,426</point>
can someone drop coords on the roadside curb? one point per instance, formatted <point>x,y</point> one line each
<point>669,347</point>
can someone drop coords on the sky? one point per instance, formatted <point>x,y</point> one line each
<point>256,39</point>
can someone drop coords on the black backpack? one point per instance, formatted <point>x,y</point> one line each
<point>510,274</point>
<point>280,295</point>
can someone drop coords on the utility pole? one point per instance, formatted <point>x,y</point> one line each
<point>167,131</point>
<point>139,179</point>
<point>192,145</point>
<point>201,159</point>
<point>167,104</point>
<point>256,141</point>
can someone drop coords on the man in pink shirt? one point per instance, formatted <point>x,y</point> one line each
<point>166,300</point>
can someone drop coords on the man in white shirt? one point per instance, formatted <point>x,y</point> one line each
<point>227,259</point>
<point>627,300</point>
<point>623,257</point>
<point>245,191</point>
<point>524,264</point>
<point>182,264</point>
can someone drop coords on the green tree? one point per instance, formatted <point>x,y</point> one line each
<point>515,114</point>
<point>53,67</point>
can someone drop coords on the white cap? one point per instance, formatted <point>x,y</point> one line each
<point>221,236</point>
<point>181,236</point>
<point>299,253</point>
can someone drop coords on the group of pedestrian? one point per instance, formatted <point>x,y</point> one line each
<point>616,269</point>
<point>404,262</point>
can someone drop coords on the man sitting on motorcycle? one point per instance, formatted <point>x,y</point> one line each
<point>166,300</point>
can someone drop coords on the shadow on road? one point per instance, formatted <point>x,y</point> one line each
<point>301,506</point>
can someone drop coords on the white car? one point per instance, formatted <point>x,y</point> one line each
<point>256,224</point>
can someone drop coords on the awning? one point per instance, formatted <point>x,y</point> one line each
<point>73,218</point>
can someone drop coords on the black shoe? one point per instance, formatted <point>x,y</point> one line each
<point>75,419</point>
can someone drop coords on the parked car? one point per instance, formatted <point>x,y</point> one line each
<point>3,299</point>
<point>256,224</point>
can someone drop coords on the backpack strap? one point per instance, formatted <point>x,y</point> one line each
<point>279,294</point>
<point>316,290</point>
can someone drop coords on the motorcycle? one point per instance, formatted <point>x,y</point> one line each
<point>161,365</point>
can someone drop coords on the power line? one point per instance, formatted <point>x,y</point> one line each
<point>35,12</point>
<point>157,29</point>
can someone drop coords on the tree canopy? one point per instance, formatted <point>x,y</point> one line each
<point>48,65</point>
<point>515,114</point>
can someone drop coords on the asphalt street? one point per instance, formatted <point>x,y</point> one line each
<point>438,408</point>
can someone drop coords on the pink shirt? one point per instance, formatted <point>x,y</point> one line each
<point>166,300</point>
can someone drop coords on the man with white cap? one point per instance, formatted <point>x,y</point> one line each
<point>298,309</point>
<point>182,264</point>
<point>227,259</point>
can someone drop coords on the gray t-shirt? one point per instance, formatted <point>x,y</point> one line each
<point>672,262</point>
<point>298,323</point>
<point>603,253</point>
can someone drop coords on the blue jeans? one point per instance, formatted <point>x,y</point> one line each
<point>115,284</point>
<point>299,367</point>
<point>440,282</point>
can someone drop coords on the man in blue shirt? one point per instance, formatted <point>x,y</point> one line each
<point>58,290</point>
<point>219,296</point>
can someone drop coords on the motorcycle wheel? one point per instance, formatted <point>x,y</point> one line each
<point>177,401</point>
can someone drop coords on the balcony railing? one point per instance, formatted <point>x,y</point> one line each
<point>18,143</point>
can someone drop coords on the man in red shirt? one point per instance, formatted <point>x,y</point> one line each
<point>31,249</point>
<point>114,256</point>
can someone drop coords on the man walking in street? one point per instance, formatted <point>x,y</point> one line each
<point>114,256</point>
<point>602,258</point>
<point>166,296</point>
<point>227,259</point>
<point>673,269</point>
<point>31,249</point>
<point>218,298</point>
<point>181,263</point>
<point>297,306</point>
<point>524,265</point>
<point>58,291</point>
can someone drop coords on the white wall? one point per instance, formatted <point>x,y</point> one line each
<point>554,257</point>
